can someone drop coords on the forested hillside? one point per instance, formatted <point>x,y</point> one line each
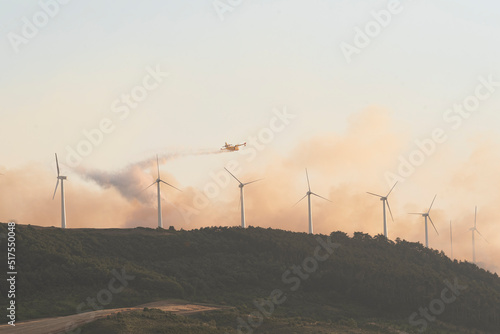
<point>340,279</point>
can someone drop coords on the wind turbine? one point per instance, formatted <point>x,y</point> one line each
<point>426,215</point>
<point>158,181</point>
<point>63,206</point>
<point>385,200</point>
<point>474,229</point>
<point>308,195</point>
<point>242,202</point>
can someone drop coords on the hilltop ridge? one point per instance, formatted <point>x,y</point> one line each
<point>332,278</point>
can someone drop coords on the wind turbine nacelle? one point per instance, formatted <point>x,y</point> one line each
<point>62,178</point>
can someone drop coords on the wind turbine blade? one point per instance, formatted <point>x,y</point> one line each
<point>158,166</point>
<point>299,200</point>
<point>326,199</point>
<point>415,213</point>
<point>388,206</point>
<point>308,184</point>
<point>233,175</point>
<point>374,194</point>
<point>252,182</point>
<point>147,187</point>
<point>57,164</point>
<point>432,204</point>
<point>168,184</point>
<point>482,236</point>
<point>391,189</point>
<point>55,190</point>
<point>433,225</point>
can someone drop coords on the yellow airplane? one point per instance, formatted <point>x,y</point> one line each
<point>229,147</point>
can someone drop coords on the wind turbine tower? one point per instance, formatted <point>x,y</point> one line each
<point>308,195</point>
<point>158,192</point>
<point>242,201</point>
<point>63,205</point>
<point>426,216</point>
<point>385,201</point>
<point>451,241</point>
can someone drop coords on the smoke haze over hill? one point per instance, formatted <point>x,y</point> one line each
<point>342,167</point>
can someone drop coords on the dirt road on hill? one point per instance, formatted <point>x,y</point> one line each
<point>67,324</point>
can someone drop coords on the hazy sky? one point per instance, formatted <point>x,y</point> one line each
<point>361,82</point>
